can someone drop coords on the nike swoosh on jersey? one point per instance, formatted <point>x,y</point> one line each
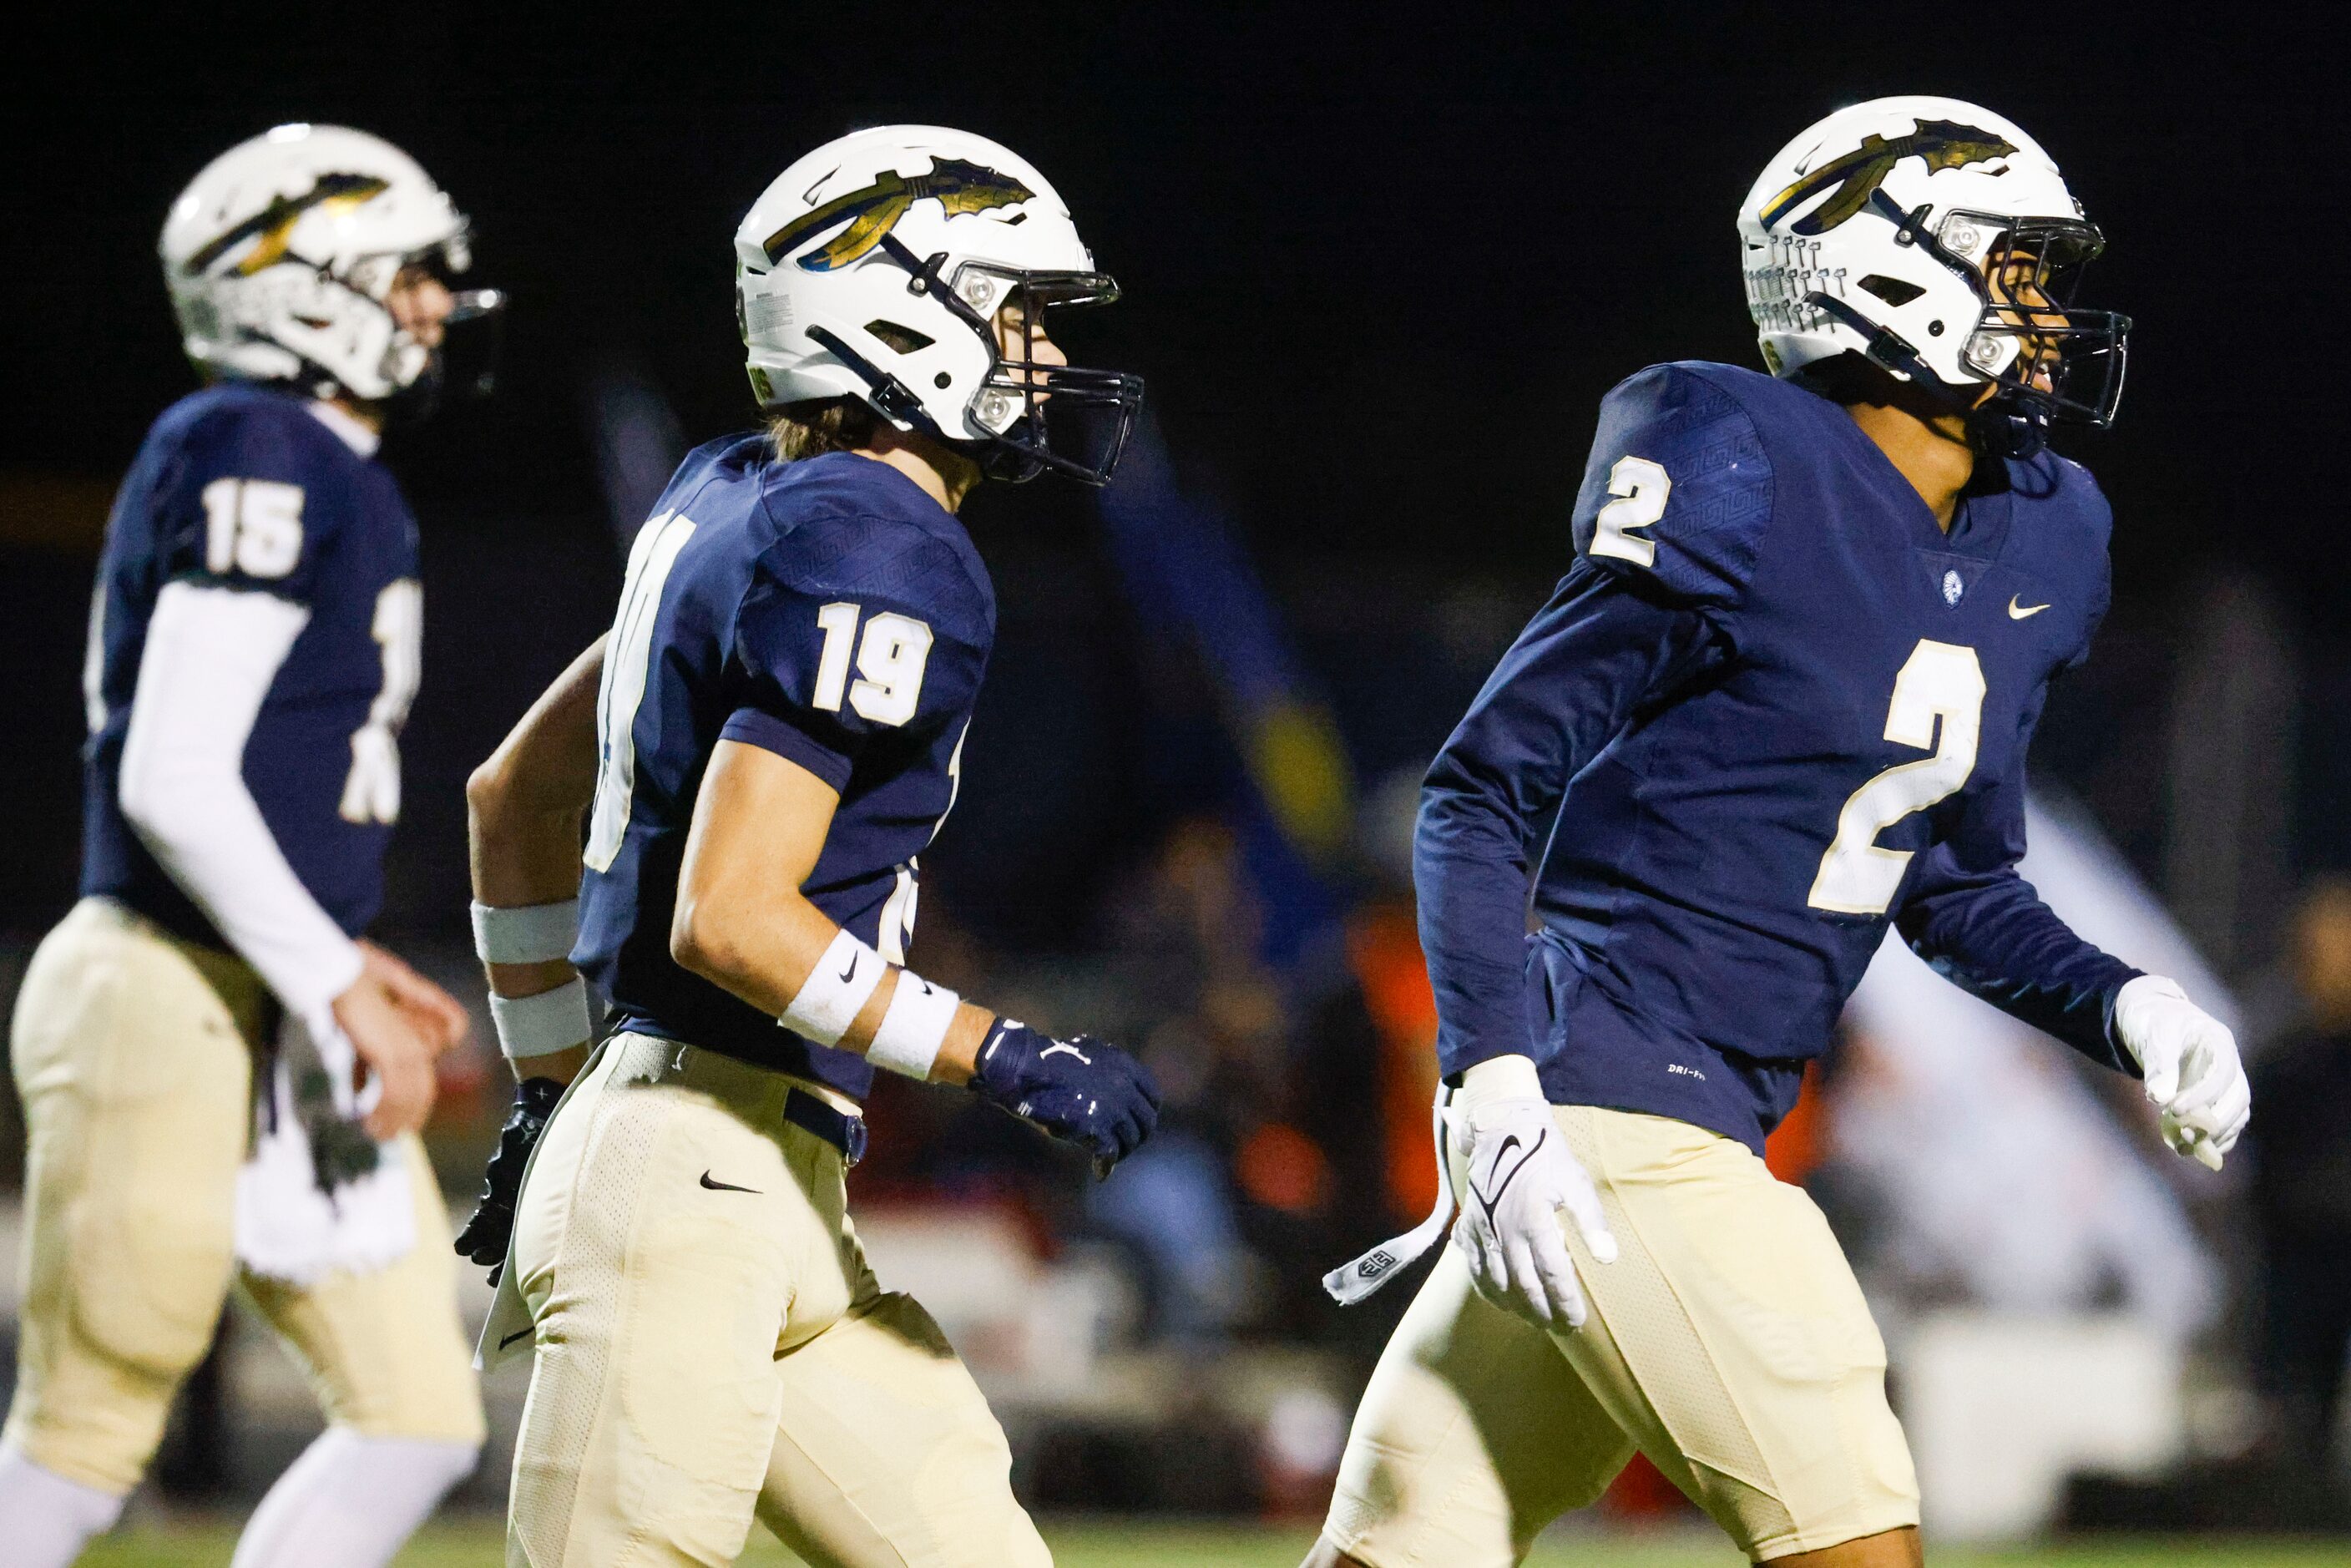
<point>2020,612</point>
<point>723,1186</point>
<point>518,1333</point>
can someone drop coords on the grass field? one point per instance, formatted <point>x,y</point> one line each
<point>1092,1545</point>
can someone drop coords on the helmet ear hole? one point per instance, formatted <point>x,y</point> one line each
<point>902,339</point>
<point>1895,291</point>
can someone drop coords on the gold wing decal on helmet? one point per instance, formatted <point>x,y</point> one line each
<point>274,225</point>
<point>1943,144</point>
<point>955,186</point>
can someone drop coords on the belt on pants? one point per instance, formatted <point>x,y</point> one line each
<point>842,1130</point>
<point>655,1059</point>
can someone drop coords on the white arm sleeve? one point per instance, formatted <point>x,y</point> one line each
<point>211,655</point>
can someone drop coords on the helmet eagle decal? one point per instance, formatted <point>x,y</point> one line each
<point>957,185</point>
<point>274,223</point>
<point>1943,144</point>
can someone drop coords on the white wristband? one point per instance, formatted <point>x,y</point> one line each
<point>914,1027</point>
<point>1511,1077</point>
<point>526,934</point>
<point>836,990</point>
<point>544,1024</point>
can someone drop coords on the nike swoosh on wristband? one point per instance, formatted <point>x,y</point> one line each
<point>2019,612</point>
<point>850,973</point>
<point>723,1186</point>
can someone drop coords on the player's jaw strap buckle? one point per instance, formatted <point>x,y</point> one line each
<point>888,395</point>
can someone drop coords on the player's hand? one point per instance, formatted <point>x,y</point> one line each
<point>1521,1178</point>
<point>486,1234</point>
<point>2190,1060</point>
<point>396,1054</point>
<point>1084,1091</point>
<point>439,1017</point>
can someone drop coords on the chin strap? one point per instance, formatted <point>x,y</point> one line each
<point>889,396</point>
<point>2001,426</point>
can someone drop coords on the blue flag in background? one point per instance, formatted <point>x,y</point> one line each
<point>1190,581</point>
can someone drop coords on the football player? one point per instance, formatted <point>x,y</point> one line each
<point>252,649</point>
<point>762,746</point>
<point>1780,701</point>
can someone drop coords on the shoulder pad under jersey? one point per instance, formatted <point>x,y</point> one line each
<point>1679,487</point>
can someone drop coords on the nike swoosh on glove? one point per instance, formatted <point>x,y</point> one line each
<point>486,1234</point>
<point>2190,1060</point>
<point>1081,1090</point>
<point>1522,1177</point>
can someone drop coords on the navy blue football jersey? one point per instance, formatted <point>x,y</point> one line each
<point>242,486</point>
<point>827,610</point>
<point>1771,708</point>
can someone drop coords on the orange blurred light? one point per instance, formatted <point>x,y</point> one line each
<point>1280,1167</point>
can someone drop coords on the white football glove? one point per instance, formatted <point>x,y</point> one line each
<point>1520,1178</point>
<point>2189,1059</point>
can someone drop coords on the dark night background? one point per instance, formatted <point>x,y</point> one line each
<point>1379,268</point>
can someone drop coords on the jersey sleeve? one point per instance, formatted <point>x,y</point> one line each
<point>1978,923</point>
<point>1679,488</point>
<point>248,502</point>
<point>1585,665</point>
<point>2098,520</point>
<point>864,633</point>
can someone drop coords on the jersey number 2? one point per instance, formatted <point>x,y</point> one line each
<point>1937,706</point>
<point>1640,487</point>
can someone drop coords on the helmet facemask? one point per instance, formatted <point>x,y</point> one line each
<point>464,364</point>
<point>1071,419</point>
<point>1039,415</point>
<point>2049,361</point>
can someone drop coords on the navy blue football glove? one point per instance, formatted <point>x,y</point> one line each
<point>1082,1091</point>
<point>483,1240</point>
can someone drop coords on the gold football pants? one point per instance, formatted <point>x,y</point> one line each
<point>133,1056</point>
<point>1728,1342</point>
<point>710,1345</point>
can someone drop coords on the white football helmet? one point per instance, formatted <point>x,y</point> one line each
<point>280,257</point>
<point>1938,240</point>
<point>874,268</point>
